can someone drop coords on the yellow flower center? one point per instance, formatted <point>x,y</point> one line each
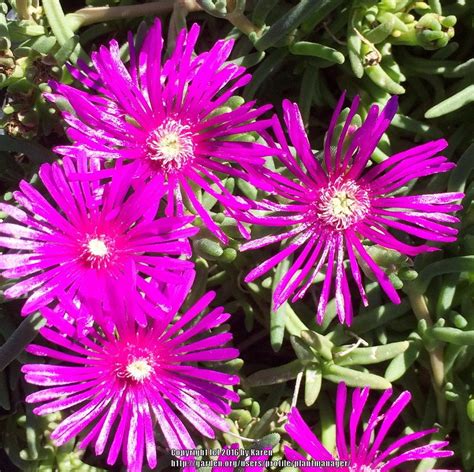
<point>169,146</point>
<point>343,204</point>
<point>139,369</point>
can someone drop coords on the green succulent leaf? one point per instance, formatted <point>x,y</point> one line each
<point>20,338</point>
<point>312,384</point>
<point>354,378</point>
<point>369,355</point>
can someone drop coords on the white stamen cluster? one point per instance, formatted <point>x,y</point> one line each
<point>341,204</point>
<point>97,251</point>
<point>170,146</point>
<point>139,369</point>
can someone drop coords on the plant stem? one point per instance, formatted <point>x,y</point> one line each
<point>22,10</point>
<point>436,355</point>
<point>55,15</point>
<point>92,15</point>
<point>60,27</point>
<point>242,23</point>
<point>297,389</point>
<point>177,22</point>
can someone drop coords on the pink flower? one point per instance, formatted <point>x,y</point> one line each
<point>164,118</point>
<point>330,207</point>
<point>364,451</point>
<point>92,240</point>
<point>125,382</point>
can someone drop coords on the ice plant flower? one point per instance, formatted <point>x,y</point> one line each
<point>363,451</point>
<point>91,238</point>
<point>168,118</point>
<point>330,207</point>
<point>124,383</point>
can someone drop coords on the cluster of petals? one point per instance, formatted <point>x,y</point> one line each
<point>363,451</point>
<point>167,118</point>
<point>328,207</point>
<point>124,382</point>
<point>90,240</point>
<point>103,251</point>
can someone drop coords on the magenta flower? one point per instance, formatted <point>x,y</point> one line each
<point>122,383</point>
<point>92,240</point>
<point>364,451</point>
<point>164,118</point>
<point>330,207</point>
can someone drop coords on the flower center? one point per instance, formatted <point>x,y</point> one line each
<point>97,251</point>
<point>97,247</point>
<point>170,146</point>
<point>134,362</point>
<point>139,369</point>
<point>342,204</point>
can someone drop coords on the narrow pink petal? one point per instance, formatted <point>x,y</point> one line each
<point>109,419</point>
<point>399,443</point>
<point>389,418</point>
<point>359,399</point>
<point>340,279</point>
<point>328,158</point>
<point>340,428</point>
<point>288,283</point>
<point>298,430</point>
<point>272,262</point>
<point>374,421</point>
<point>322,259</point>
<point>324,298</point>
<point>379,274</point>
<point>419,453</point>
<point>422,151</point>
